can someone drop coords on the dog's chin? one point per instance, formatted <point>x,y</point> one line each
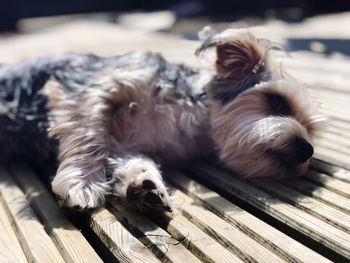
<point>266,166</point>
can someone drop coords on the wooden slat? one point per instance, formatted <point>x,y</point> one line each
<point>331,170</point>
<point>10,249</point>
<point>338,124</point>
<point>327,141</point>
<point>320,193</point>
<point>332,133</point>
<point>318,81</point>
<point>247,248</point>
<point>122,244</point>
<point>229,236</point>
<point>334,141</point>
<point>338,133</point>
<point>196,240</point>
<point>71,242</point>
<point>310,226</point>
<point>329,155</point>
<point>330,114</point>
<point>313,62</point>
<point>275,240</point>
<point>335,112</point>
<point>335,126</point>
<point>332,147</point>
<point>334,107</point>
<point>331,98</point>
<point>330,183</point>
<point>37,245</point>
<point>323,211</point>
<point>154,237</point>
<point>339,70</point>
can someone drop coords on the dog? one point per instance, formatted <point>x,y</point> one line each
<point>111,122</point>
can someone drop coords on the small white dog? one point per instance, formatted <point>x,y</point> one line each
<point>117,119</point>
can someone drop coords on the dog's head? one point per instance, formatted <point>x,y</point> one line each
<point>262,123</point>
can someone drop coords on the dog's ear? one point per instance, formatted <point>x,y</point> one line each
<point>238,52</point>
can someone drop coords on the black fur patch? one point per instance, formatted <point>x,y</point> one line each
<point>153,199</point>
<point>132,193</point>
<point>148,184</point>
<point>225,90</point>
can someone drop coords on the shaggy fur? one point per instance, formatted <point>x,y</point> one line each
<point>113,121</point>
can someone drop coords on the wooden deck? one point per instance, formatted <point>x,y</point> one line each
<point>218,217</point>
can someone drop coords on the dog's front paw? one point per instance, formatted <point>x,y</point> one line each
<point>76,191</point>
<point>144,187</point>
<point>148,194</point>
<point>83,198</point>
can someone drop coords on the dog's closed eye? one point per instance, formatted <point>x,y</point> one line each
<point>278,105</point>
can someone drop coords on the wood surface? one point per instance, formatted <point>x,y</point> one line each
<point>205,227</point>
<point>71,243</point>
<point>35,242</point>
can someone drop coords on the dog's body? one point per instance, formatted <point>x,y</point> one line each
<point>115,118</point>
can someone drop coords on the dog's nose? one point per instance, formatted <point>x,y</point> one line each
<point>302,150</point>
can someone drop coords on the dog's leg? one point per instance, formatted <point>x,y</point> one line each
<point>139,182</point>
<point>85,125</point>
<point>81,180</point>
<point>82,126</point>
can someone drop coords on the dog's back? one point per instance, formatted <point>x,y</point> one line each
<point>25,108</point>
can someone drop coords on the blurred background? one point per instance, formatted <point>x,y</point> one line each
<point>13,11</point>
<point>185,18</point>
